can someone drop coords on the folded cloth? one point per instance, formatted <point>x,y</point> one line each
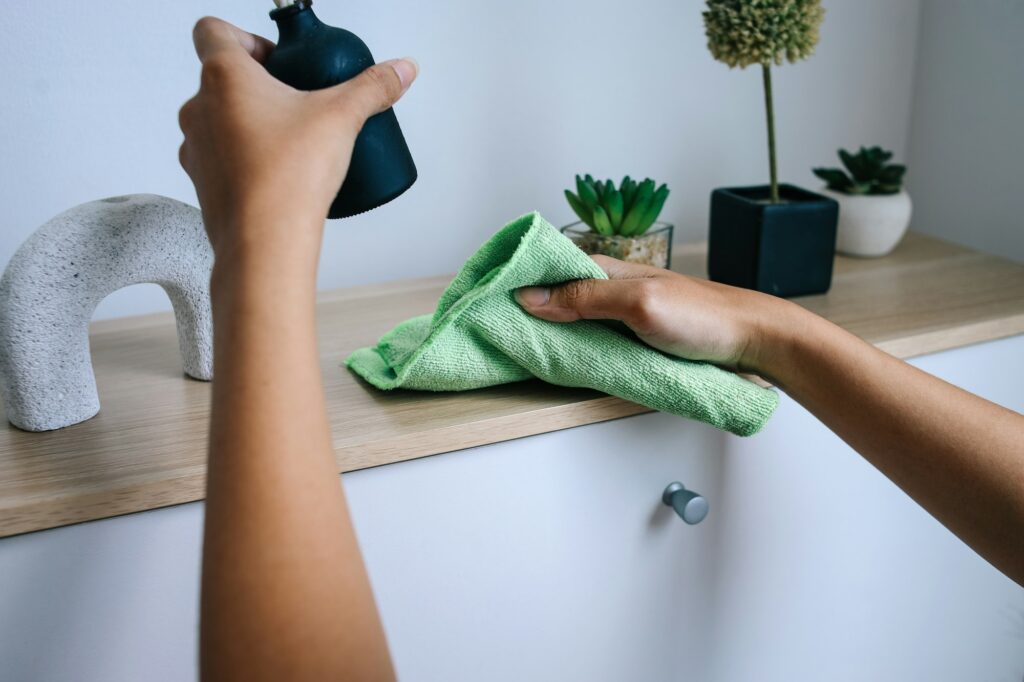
<point>480,336</point>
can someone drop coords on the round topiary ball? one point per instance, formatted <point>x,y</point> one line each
<point>745,32</point>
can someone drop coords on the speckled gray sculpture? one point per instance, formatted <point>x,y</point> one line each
<point>60,274</point>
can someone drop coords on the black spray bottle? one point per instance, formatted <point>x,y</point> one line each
<point>311,55</point>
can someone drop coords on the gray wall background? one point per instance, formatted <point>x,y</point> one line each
<point>513,99</point>
<point>967,127</point>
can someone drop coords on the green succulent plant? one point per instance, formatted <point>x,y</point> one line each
<point>745,32</point>
<point>869,173</point>
<point>628,210</point>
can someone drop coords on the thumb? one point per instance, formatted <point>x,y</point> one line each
<point>584,299</point>
<point>377,88</point>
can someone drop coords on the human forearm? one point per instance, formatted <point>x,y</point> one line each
<point>284,594</point>
<point>961,457</point>
<point>274,502</point>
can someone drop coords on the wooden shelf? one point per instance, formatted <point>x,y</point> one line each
<point>146,448</point>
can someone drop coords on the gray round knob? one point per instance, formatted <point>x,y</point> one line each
<point>690,506</point>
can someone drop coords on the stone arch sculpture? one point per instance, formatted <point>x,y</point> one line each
<point>56,279</point>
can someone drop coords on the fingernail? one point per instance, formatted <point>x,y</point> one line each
<point>407,69</point>
<point>533,297</point>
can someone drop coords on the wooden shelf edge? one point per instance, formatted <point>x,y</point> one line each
<point>59,511</point>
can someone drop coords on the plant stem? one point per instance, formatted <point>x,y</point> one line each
<point>766,72</point>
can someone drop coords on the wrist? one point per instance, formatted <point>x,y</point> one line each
<point>776,340</point>
<point>262,275</point>
<point>265,250</point>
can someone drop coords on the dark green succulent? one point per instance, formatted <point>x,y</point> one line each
<point>628,210</point>
<point>868,173</point>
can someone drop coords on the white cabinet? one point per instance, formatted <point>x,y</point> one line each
<point>547,558</point>
<point>551,558</point>
<point>827,571</point>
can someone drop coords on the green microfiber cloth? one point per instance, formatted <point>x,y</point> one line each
<point>479,336</point>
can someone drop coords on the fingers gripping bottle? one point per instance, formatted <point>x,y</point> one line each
<point>311,55</point>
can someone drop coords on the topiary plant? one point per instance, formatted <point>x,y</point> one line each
<point>745,32</point>
<point>869,173</point>
<point>629,210</point>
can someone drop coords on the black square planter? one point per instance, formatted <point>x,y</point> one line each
<point>784,249</point>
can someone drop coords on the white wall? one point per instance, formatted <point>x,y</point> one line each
<point>514,98</point>
<point>967,140</point>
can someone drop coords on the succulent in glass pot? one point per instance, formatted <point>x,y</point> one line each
<point>621,222</point>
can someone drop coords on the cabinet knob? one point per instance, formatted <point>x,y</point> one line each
<point>690,506</point>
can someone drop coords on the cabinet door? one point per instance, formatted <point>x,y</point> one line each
<point>547,558</point>
<point>827,571</point>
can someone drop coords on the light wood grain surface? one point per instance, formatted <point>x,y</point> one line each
<point>146,448</point>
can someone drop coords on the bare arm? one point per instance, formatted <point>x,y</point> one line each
<point>961,457</point>
<point>285,595</point>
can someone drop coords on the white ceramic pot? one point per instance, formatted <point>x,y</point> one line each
<point>870,225</point>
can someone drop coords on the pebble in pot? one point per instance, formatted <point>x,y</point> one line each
<point>874,209</point>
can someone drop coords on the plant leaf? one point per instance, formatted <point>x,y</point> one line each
<point>880,155</point>
<point>628,194</point>
<point>889,180</point>
<point>644,194</point>
<point>855,164</point>
<point>892,174</point>
<point>580,209</point>
<point>601,222</point>
<point>834,178</point>
<point>613,202</point>
<point>652,212</point>
<point>646,188</point>
<point>587,194</point>
<point>868,167</point>
<point>629,197</point>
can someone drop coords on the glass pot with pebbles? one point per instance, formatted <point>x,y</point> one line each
<point>621,222</point>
